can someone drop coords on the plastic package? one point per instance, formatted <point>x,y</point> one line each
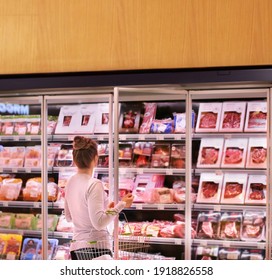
<point>256,190</point>
<point>10,189</point>
<point>230,226</point>
<point>253,226</point>
<point>33,189</point>
<point>208,225</point>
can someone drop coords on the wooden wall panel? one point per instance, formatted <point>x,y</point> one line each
<point>85,35</point>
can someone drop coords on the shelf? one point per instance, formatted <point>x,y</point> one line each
<point>151,137</point>
<point>143,206</point>
<point>6,138</point>
<point>65,137</point>
<point>229,243</point>
<point>228,135</point>
<point>31,204</point>
<point>163,171</point>
<point>230,170</point>
<point>152,240</point>
<point>21,170</point>
<point>227,207</point>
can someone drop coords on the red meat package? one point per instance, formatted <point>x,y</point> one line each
<point>161,156</point>
<point>234,153</point>
<point>177,159</point>
<point>210,186</point>
<point>146,181</point>
<point>5,153</point>
<point>142,154</point>
<point>257,153</point>
<point>130,114</point>
<point>208,225</point>
<point>159,196</point>
<point>234,188</point>
<point>256,190</point>
<point>232,117</point>
<point>210,152</point>
<point>208,117</point>
<point>125,154</point>
<point>230,226</point>
<point>256,116</point>
<point>253,225</point>
<point>149,116</point>
<point>7,125</point>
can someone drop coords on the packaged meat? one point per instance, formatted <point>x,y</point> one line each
<point>3,244</point>
<point>126,184</point>
<point>7,127</point>
<point>125,154</point>
<point>165,126</point>
<point>229,254</point>
<point>232,117</point>
<point>253,225</point>
<point>208,225</point>
<point>208,117</point>
<point>86,119</point>
<point>210,186</point>
<point>53,191</point>
<point>210,152</point>
<point>206,252</point>
<point>180,122</point>
<point>20,125</point>
<point>6,220</point>
<point>142,154</point>
<point>146,181</point>
<point>160,156</point>
<point>63,225</point>
<point>33,125</point>
<point>33,156</point>
<point>102,118</point>
<point>177,159</point>
<point>103,155</point>
<point>52,221</point>
<point>158,196</point>
<point>253,254</point>
<point>65,156</point>
<point>51,124</point>
<point>13,247</point>
<point>25,221</point>
<point>130,115</point>
<point>30,249</point>
<point>234,188</point>
<point>149,116</point>
<point>230,226</point>
<point>256,190</point>
<point>256,117</point>
<point>17,156</point>
<point>234,153</point>
<point>33,189</point>
<point>52,152</point>
<point>5,154</point>
<point>51,248</point>
<point>62,252</point>
<point>10,189</point>
<point>257,153</point>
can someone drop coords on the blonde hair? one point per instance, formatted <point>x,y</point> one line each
<point>84,151</point>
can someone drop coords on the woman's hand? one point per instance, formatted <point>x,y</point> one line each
<point>128,199</point>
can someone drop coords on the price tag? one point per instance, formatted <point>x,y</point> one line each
<point>28,170</point>
<point>71,138</point>
<point>100,138</point>
<point>140,171</point>
<point>160,137</point>
<point>141,137</point>
<point>1,169</point>
<point>5,204</point>
<point>178,241</point>
<point>181,206</point>
<point>226,244</point>
<point>218,172</point>
<point>14,170</point>
<point>261,245</point>
<point>65,235</point>
<point>203,243</point>
<point>141,239</point>
<point>160,207</point>
<point>28,138</point>
<point>16,138</point>
<point>169,172</point>
<point>217,207</point>
<point>122,137</point>
<point>139,206</point>
<point>36,205</point>
<point>228,136</point>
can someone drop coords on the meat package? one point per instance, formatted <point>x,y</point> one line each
<point>208,225</point>
<point>257,153</point>
<point>256,117</point>
<point>232,117</point>
<point>102,118</point>
<point>142,152</point>
<point>103,155</point>
<point>256,190</point>
<point>234,188</point>
<point>210,152</point>
<point>33,189</point>
<point>146,181</point>
<point>234,153</point>
<point>125,184</point>
<point>125,154</point>
<point>161,195</point>
<point>230,226</point>
<point>253,254</point>
<point>177,159</point>
<point>209,115</point>
<point>149,116</point>
<point>10,246</point>
<point>253,226</point>
<point>65,156</point>
<point>30,249</point>
<point>6,220</point>
<point>160,156</point>
<point>10,189</point>
<point>229,254</point>
<point>7,125</point>
<point>5,153</point>
<point>180,122</point>
<point>52,245</point>
<point>33,125</point>
<point>33,156</point>
<point>25,221</point>
<point>17,156</point>
<point>129,119</point>
<point>210,186</point>
<point>206,253</point>
<point>63,225</point>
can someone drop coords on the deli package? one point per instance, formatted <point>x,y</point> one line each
<point>210,186</point>
<point>208,225</point>
<point>210,152</point>
<point>230,226</point>
<point>232,117</point>
<point>130,116</point>
<point>209,115</point>
<point>256,190</point>
<point>256,117</point>
<point>234,153</point>
<point>229,254</point>
<point>257,153</point>
<point>253,225</point>
<point>234,188</point>
<point>206,252</point>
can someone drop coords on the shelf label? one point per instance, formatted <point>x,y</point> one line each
<point>169,172</point>
<point>177,137</point>
<point>141,137</point>
<point>140,171</point>
<point>181,207</point>
<point>228,136</point>
<point>1,169</point>
<point>5,204</point>
<point>139,206</point>
<point>261,245</point>
<point>36,205</point>
<point>219,172</point>
<point>100,138</point>
<point>160,207</point>
<point>160,137</point>
<point>122,137</point>
<point>16,138</point>
<point>28,170</point>
<point>203,243</point>
<point>28,138</point>
<point>14,170</point>
<point>226,244</point>
<point>141,239</point>
<point>217,207</point>
<point>71,137</point>
<point>178,241</point>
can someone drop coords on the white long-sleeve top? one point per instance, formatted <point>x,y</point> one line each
<point>85,205</point>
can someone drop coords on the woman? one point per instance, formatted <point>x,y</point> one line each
<point>86,203</point>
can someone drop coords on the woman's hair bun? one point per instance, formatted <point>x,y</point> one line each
<point>83,143</point>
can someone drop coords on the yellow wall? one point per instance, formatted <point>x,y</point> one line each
<point>83,35</point>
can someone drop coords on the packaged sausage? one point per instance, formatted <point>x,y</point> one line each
<point>256,190</point>
<point>256,117</point>
<point>125,154</point>
<point>158,196</point>
<point>208,225</point>
<point>257,153</point>
<point>164,126</point>
<point>177,159</point>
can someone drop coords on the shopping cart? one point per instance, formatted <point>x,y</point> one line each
<point>128,247</point>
